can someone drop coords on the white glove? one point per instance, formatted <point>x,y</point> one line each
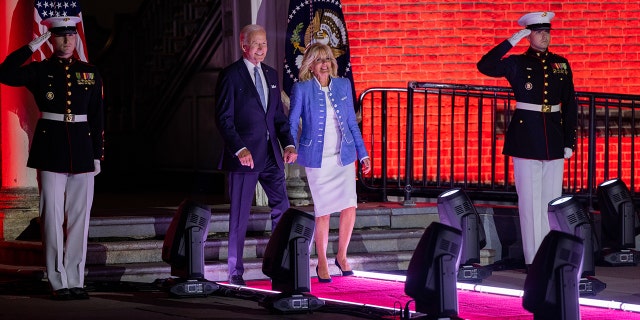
<point>37,42</point>
<point>96,164</point>
<point>568,153</point>
<point>516,37</point>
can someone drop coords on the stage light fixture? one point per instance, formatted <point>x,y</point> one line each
<point>617,213</point>
<point>431,275</point>
<point>286,262</point>
<point>551,285</point>
<point>568,215</point>
<point>455,209</point>
<point>183,249</point>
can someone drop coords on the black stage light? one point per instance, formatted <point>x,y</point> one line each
<point>617,214</point>
<point>183,249</point>
<point>551,286</point>
<point>286,262</point>
<point>456,209</point>
<point>431,275</point>
<point>566,214</point>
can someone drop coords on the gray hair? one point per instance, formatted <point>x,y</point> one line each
<point>248,30</point>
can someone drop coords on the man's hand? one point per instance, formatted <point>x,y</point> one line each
<point>245,158</point>
<point>290,155</point>
<point>366,165</point>
<point>516,37</point>
<point>37,42</point>
<point>568,153</point>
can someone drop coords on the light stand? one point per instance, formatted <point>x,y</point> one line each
<point>618,224</point>
<point>183,249</point>
<point>568,215</point>
<point>286,262</point>
<point>551,286</point>
<point>431,275</point>
<point>455,209</point>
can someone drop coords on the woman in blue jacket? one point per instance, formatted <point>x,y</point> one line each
<point>328,145</point>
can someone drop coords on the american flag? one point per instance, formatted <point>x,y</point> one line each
<point>43,9</point>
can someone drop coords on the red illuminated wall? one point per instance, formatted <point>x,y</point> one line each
<point>393,42</point>
<point>441,41</point>
<point>18,112</point>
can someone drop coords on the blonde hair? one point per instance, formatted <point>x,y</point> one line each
<point>313,52</point>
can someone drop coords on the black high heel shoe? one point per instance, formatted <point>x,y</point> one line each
<point>344,273</point>
<point>323,280</point>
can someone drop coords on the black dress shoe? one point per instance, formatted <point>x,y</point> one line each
<point>344,273</point>
<point>323,280</point>
<point>237,280</point>
<point>61,294</point>
<point>79,294</point>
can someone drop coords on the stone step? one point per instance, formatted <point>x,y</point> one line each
<point>214,270</point>
<point>155,222</point>
<point>128,247</point>
<point>18,252</point>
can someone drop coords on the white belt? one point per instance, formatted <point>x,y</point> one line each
<point>538,107</point>
<point>64,117</point>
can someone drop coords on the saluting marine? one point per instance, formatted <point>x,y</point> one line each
<point>542,131</point>
<point>66,149</point>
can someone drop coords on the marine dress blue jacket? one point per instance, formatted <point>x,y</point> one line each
<point>308,102</point>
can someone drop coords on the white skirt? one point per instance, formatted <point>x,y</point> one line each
<point>333,187</point>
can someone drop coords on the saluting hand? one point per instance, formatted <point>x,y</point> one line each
<point>37,42</point>
<point>516,37</point>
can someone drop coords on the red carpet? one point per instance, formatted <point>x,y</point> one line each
<point>471,305</point>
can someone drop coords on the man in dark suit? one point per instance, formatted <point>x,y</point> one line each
<point>66,150</point>
<point>251,120</point>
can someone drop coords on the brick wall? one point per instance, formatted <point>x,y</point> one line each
<point>393,42</point>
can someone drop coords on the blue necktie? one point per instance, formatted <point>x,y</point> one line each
<point>259,87</point>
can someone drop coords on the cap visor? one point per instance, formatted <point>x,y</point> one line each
<point>63,30</point>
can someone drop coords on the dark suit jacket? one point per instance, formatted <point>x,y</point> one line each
<point>60,86</point>
<point>242,121</point>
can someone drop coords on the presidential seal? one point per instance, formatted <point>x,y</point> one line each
<point>315,21</point>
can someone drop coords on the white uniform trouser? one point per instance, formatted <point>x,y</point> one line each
<point>67,197</point>
<point>537,183</point>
